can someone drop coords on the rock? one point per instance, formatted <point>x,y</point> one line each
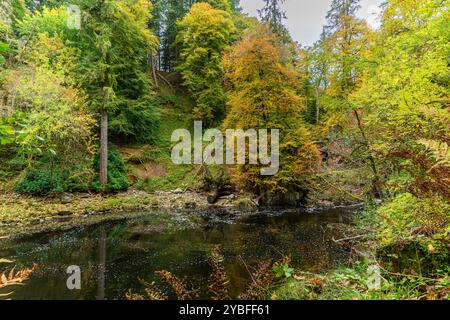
<point>190,205</point>
<point>64,213</point>
<point>62,219</point>
<point>66,198</point>
<point>177,191</point>
<point>246,204</point>
<point>292,198</point>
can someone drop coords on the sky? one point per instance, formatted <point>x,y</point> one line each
<point>305,18</point>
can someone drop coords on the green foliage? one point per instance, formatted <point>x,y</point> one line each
<point>273,15</point>
<point>52,21</point>
<point>283,270</point>
<point>56,120</point>
<point>114,66</point>
<point>117,178</point>
<point>406,215</point>
<point>39,181</point>
<point>205,34</point>
<point>9,128</point>
<point>405,94</point>
<point>3,47</point>
<point>166,15</point>
<point>353,284</point>
<point>137,121</point>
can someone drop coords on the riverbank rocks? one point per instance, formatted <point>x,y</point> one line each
<point>289,199</point>
<point>66,198</point>
<point>64,213</point>
<point>22,212</point>
<point>246,204</point>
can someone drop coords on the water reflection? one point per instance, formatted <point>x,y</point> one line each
<point>113,257</point>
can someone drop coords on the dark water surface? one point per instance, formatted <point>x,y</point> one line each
<point>135,249</point>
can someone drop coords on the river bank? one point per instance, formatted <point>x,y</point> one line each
<point>19,213</point>
<point>30,214</point>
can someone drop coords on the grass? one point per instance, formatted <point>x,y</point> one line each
<point>354,284</point>
<point>176,114</point>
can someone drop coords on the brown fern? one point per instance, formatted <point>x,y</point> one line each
<point>262,278</point>
<point>153,293</point>
<point>218,279</point>
<point>12,277</point>
<point>177,284</point>
<point>133,296</point>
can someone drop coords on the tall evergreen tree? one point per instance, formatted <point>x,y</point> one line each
<point>114,65</point>
<point>273,14</point>
<point>338,10</point>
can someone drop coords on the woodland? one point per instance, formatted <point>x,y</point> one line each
<point>363,116</point>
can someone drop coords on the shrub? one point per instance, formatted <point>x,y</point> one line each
<point>117,178</point>
<point>39,181</point>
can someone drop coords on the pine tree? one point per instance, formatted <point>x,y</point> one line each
<point>338,10</point>
<point>274,15</point>
<point>114,64</point>
<point>346,39</point>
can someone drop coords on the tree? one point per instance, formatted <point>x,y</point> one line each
<point>315,65</point>
<point>51,127</point>
<point>405,15</point>
<point>405,96</point>
<point>167,14</point>
<point>205,34</point>
<point>347,40</point>
<point>115,42</point>
<point>273,15</point>
<point>262,94</point>
<point>338,10</point>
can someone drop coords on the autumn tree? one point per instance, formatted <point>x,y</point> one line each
<point>347,41</point>
<point>54,132</point>
<point>166,14</point>
<point>205,34</point>
<point>262,94</point>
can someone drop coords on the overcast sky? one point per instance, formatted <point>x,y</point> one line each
<point>305,18</point>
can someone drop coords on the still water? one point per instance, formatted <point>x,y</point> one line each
<point>181,243</point>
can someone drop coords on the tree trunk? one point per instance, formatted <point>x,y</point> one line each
<point>152,61</point>
<point>101,264</point>
<point>317,105</point>
<point>376,178</point>
<point>104,149</point>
